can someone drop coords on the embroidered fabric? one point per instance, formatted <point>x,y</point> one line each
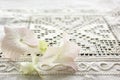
<point>96,34</point>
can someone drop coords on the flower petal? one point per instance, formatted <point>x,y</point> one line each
<point>50,55</point>
<point>65,54</point>
<point>29,37</point>
<point>15,42</point>
<point>71,49</point>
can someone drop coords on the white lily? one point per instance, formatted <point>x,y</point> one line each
<point>18,41</point>
<point>64,54</point>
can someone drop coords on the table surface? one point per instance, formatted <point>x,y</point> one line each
<point>107,12</point>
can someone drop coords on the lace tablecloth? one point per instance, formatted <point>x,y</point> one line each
<point>95,29</point>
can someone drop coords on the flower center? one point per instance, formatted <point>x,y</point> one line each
<point>21,40</point>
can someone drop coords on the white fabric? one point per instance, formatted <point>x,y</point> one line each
<point>60,4</point>
<point>100,5</point>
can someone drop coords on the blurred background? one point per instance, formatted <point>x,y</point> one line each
<point>59,4</point>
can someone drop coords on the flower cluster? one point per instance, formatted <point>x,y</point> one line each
<point>20,41</point>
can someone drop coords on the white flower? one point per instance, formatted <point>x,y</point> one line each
<point>18,41</point>
<point>64,54</point>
